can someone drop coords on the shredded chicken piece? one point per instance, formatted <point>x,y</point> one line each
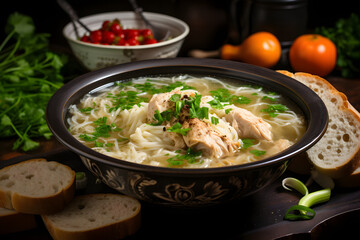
<point>210,142</point>
<point>176,138</point>
<point>204,136</point>
<point>248,125</point>
<point>161,102</point>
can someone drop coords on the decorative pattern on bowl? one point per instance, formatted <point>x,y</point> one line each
<point>179,191</point>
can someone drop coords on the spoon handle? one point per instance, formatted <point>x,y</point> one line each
<point>70,11</point>
<point>139,11</point>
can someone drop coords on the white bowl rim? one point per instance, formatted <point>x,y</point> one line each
<point>154,45</point>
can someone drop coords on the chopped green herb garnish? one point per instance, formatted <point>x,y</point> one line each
<point>269,98</point>
<point>175,97</point>
<point>221,94</point>
<point>224,95</point>
<point>86,110</point>
<point>190,156</point>
<point>153,89</point>
<point>87,138</point>
<point>100,121</point>
<point>101,130</point>
<point>272,93</point>
<point>196,111</point>
<point>177,128</point>
<point>178,106</point>
<point>241,100</point>
<point>126,100</point>
<point>115,128</point>
<point>272,110</point>
<point>215,103</point>
<point>158,118</point>
<point>257,153</point>
<point>176,84</point>
<point>247,142</point>
<point>214,120</point>
<point>228,110</point>
<point>98,144</point>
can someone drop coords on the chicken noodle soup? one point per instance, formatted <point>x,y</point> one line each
<point>186,122</point>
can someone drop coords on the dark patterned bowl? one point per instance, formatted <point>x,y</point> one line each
<point>187,187</point>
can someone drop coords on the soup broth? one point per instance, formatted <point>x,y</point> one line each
<point>236,123</point>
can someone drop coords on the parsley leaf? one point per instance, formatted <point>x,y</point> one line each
<point>228,110</point>
<point>86,110</point>
<point>241,99</point>
<point>87,138</point>
<point>272,110</point>
<point>196,111</point>
<point>257,153</point>
<point>175,97</point>
<point>101,130</point>
<point>215,103</point>
<point>190,156</point>
<point>214,120</point>
<point>269,98</point>
<point>224,95</point>
<point>221,94</point>
<point>125,100</point>
<point>247,142</point>
<point>177,128</point>
<point>30,74</point>
<point>158,117</point>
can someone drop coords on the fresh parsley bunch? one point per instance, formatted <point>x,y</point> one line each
<point>29,75</point>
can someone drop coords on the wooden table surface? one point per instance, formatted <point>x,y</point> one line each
<point>257,217</point>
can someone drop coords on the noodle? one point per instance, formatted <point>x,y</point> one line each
<point>128,135</point>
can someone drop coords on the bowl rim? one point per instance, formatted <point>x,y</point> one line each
<point>57,108</point>
<point>148,46</point>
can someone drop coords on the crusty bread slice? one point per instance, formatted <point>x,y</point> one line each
<point>337,154</point>
<point>95,216</point>
<point>12,221</point>
<point>36,186</point>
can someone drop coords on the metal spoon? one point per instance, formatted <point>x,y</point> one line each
<point>72,14</point>
<point>159,34</point>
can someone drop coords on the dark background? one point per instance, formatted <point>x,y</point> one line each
<point>209,20</point>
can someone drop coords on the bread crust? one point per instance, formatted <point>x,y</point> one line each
<point>115,230</point>
<point>38,205</point>
<point>348,166</point>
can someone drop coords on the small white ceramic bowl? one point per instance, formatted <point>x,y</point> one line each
<point>96,56</point>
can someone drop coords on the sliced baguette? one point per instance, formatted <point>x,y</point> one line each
<point>95,216</point>
<point>337,154</point>
<point>36,186</point>
<point>12,221</point>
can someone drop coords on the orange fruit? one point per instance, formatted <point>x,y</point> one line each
<point>313,53</point>
<point>261,49</point>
